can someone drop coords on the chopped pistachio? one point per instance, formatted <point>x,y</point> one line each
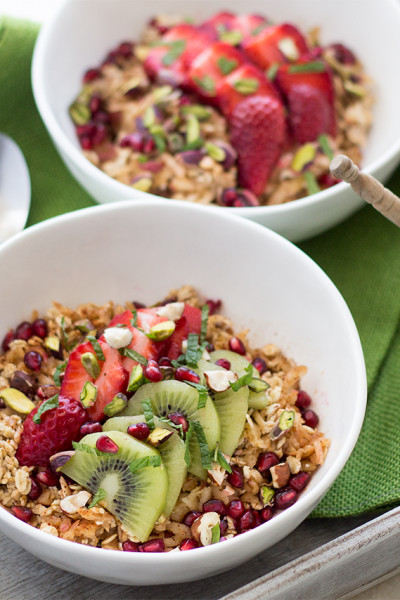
<point>142,183</point>
<point>246,85</point>
<point>201,112</point>
<point>161,93</point>
<point>149,118</point>
<point>258,385</point>
<point>161,331</point>
<point>304,155</point>
<point>158,436</point>
<point>88,395</point>
<point>131,84</point>
<point>193,134</point>
<point>215,152</point>
<point>79,113</point>
<point>117,404</point>
<point>17,401</point>
<point>52,342</point>
<point>266,494</point>
<point>84,325</point>
<point>232,37</point>
<point>311,182</point>
<point>90,364</point>
<point>136,378</point>
<point>285,423</point>
<point>354,88</point>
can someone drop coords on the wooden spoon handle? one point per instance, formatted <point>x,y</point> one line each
<point>367,187</point>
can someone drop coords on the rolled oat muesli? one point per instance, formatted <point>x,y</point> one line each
<point>150,429</point>
<point>236,111</point>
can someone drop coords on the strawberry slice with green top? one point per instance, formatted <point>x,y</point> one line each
<point>307,87</point>
<point>211,66</point>
<point>175,51</point>
<point>233,29</point>
<point>275,45</point>
<point>219,24</point>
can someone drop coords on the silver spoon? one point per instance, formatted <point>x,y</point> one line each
<point>15,188</point>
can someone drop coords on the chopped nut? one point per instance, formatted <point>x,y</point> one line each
<point>202,527</point>
<point>219,381</point>
<point>172,311</point>
<point>294,464</point>
<point>280,474</point>
<point>217,473</point>
<point>70,504</point>
<point>22,481</point>
<point>158,436</point>
<point>118,337</point>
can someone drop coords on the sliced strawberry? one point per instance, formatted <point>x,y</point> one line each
<point>75,375</point>
<point>310,98</point>
<point>190,322</point>
<point>276,44</point>
<point>247,80</point>
<point>211,66</point>
<point>177,49</point>
<point>249,25</point>
<point>219,23</point>
<point>112,380</point>
<point>258,134</point>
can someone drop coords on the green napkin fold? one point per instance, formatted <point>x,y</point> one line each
<point>361,256</point>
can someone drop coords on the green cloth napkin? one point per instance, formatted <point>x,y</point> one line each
<point>361,256</point>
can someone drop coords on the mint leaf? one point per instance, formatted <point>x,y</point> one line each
<point>96,347</point>
<point>146,461</point>
<point>310,67</point>
<point>134,312</point>
<point>189,434</point>
<point>221,460</point>
<point>148,412</point>
<point>206,83</point>
<point>192,351</point>
<point>66,344</point>
<point>324,143</point>
<point>272,71</point>
<point>311,182</point>
<point>205,311</point>
<point>57,373</point>
<point>204,449</point>
<point>203,394</point>
<point>215,534</point>
<point>134,356</point>
<point>86,448</point>
<point>48,405</point>
<point>99,495</point>
<point>243,380</point>
<point>177,48</point>
<point>226,65</point>
<point>246,86</point>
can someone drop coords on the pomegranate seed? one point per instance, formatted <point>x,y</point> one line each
<point>179,419</point>
<point>237,346</point>
<point>103,117</point>
<point>85,130</point>
<point>311,419</point>
<point>36,490</point>
<point>153,372</point>
<point>165,362</point>
<point>257,518</point>
<point>129,546</point>
<point>138,305</point>
<point>188,544</point>
<point>259,364</point>
<point>210,347</point>
<point>99,135</point>
<point>222,362</point>
<point>285,498</point>
<point>190,517</point>
<point>23,382</point>
<point>298,482</point>
<point>95,103</point>
<point>303,399</point>
<point>91,75</point>
<point>22,512</point>
<point>266,513</point>
<point>326,180</point>
<point>235,509</point>
<point>265,461</point>
<point>223,526</point>
<point>156,545</point>
<point>185,374</point>
<point>39,328</point>
<point>86,142</point>
<point>23,331</point>
<point>228,197</point>
<point>148,145</point>
<point>343,54</point>
<point>213,305</point>
<point>90,427</point>
<point>8,338</point>
<point>140,431</point>
<point>135,141</point>
<point>246,521</point>
<point>47,478</point>
<point>106,444</point>
<point>236,477</point>
<point>245,198</point>
<point>214,506</point>
<point>125,49</point>
<point>33,360</point>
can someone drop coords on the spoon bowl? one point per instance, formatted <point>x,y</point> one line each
<point>15,188</point>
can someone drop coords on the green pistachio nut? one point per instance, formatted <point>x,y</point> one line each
<point>304,156</point>
<point>79,113</point>
<point>88,394</point>
<point>117,404</point>
<point>136,379</point>
<point>266,494</point>
<point>215,152</point>
<point>201,112</point>
<point>142,183</point>
<point>258,385</point>
<point>52,342</point>
<point>158,436</point>
<point>161,331</point>
<point>90,364</point>
<point>17,401</point>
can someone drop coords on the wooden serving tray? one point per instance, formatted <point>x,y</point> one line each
<point>323,558</point>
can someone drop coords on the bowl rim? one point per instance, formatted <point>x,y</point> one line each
<point>75,156</point>
<point>308,499</point>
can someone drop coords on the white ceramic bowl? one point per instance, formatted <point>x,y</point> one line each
<point>83,31</point>
<point>142,249</point>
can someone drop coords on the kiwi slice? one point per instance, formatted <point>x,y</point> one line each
<point>136,498</point>
<point>176,396</point>
<point>257,400</point>
<point>232,409</point>
<point>172,453</point>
